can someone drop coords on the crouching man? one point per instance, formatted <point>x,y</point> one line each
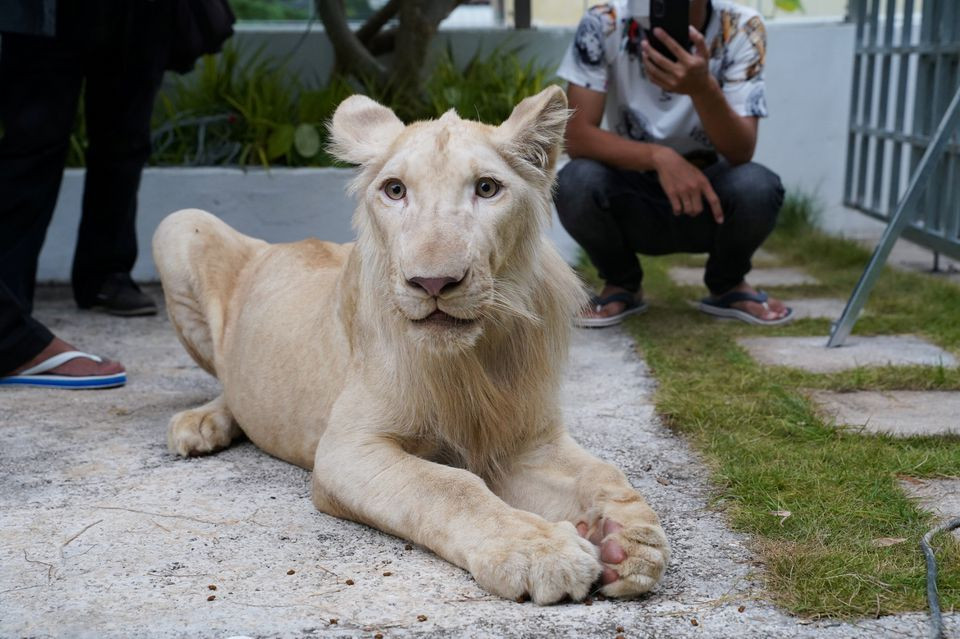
<point>672,170</point>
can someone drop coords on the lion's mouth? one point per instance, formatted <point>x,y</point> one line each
<point>445,320</point>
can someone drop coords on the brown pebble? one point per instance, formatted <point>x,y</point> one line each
<point>378,636</point>
<point>334,622</point>
<point>694,622</point>
<point>619,628</point>
<point>619,637</point>
<point>588,601</point>
<point>741,608</point>
<point>349,582</point>
<point>421,617</point>
<point>387,573</point>
<point>211,597</point>
<point>408,547</point>
<point>291,571</point>
<point>211,587</point>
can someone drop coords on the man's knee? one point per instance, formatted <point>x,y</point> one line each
<point>752,193</point>
<point>581,190</point>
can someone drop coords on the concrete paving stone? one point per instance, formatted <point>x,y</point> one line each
<point>760,277</point>
<point>104,533</point>
<point>816,307</point>
<point>903,413</point>
<point>907,256</point>
<point>811,354</point>
<point>762,258</point>
<point>939,496</point>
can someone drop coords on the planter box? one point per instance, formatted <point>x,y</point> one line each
<point>279,205</point>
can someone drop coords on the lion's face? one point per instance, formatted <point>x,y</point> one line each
<point>447,208</point>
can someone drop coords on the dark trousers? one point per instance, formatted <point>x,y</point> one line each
<point>615,214</point>
<point>112,52</point>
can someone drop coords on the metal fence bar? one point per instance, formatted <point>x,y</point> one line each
<point>945,130</point>
<point>857,7</point>
<point>905,77</point>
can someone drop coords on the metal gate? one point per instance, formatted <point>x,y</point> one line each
<point>903,153</point>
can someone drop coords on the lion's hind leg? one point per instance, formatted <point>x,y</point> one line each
<point>202,430</point>
<point>199,259</point>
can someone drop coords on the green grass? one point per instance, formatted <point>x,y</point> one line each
<point>770,450</point>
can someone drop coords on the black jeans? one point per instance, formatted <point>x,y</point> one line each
<point>114,53</point>
<point>615,214</point>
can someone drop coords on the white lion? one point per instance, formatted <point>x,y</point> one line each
<point>417,371</point>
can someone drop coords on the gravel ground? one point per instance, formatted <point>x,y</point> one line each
<point>103,533</point>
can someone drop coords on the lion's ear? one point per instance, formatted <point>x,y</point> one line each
<point>361,130</point>
<point>534,131</point>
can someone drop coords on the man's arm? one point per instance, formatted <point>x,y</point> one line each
<point>684,184</point>
<point>733,136</point>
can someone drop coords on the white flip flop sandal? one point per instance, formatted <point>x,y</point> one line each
<point>723,307</point>
<point>631,307</point>
<point>39,375</point>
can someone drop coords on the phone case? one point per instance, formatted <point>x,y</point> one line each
<point>673,16</point>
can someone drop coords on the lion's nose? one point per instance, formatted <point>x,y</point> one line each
<point>435,285</point>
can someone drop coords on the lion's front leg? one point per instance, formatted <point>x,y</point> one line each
<point>509,552</point>
<point>561,481</point>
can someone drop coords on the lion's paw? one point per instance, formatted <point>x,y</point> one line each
<point>549,562</point>
<point>634,556</point>
<point>202,430</point>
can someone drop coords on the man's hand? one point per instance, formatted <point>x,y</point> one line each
<point>689,75</point>
<point>685,185</point>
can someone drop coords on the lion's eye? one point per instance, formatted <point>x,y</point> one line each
<point>487,187</point>
<point>395,189</point>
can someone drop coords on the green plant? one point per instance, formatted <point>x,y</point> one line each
<point>245,108</point>
<point>268,10</point>
<point>788,5</point>
<point>487,87</point>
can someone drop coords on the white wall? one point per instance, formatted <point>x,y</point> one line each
<point>804,140</point>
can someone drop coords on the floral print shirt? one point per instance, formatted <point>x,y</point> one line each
<point>605,57</point>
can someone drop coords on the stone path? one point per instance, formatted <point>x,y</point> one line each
<point>902,413</point>
<point>817,307</point>
<point>104,534</point>
<point>811,354</point>
<point>759,277</point>
<point>939,496</point>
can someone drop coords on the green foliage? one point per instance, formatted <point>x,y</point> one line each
<point>788,5</point>
<point>267,10</point>
<point>234,110</point>
<point>487,88</point>
<point>245,108</point>
<point>799,212</point>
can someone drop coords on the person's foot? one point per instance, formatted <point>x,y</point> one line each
<point>79,367</point>
<point>612,308</point>
<point>121,296</point>
<point>769,311</point>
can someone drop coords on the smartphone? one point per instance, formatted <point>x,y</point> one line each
<point>673,16</point>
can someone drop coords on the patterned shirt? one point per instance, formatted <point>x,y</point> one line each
<point>605,56</point>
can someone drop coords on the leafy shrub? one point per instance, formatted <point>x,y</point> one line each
<point>487,88</point>
<point>268,10</point>
<point>237,109</point>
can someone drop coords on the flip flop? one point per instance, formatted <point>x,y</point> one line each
<point>631,307</point>
<point>723,307</point>
<point>39,375</point>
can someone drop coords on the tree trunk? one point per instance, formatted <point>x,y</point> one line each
<point>356,52</point>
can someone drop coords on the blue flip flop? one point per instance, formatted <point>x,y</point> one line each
<point>40,375</point>
<point>631,307</point>
<point>723,307</point>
